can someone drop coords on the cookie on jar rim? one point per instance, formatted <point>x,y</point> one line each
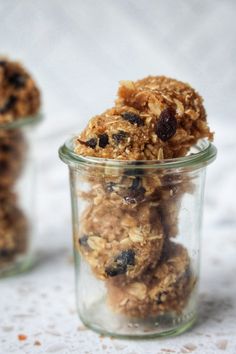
<point>125,242</point>
<point>179,110</point>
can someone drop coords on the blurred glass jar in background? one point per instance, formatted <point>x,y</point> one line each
<point>17,194</point>
<point>136,230</point>
<point>19,113</point>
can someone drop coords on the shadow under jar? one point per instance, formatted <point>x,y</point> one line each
<point>136,231</point>
<point>17,194</point>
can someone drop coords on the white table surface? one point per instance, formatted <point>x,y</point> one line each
<point>78,51</point>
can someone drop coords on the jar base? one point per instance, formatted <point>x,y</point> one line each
<point>16,267</point>
<point>146,329</point>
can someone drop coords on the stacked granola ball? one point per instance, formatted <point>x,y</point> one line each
<point>19,98</point>
<point>126,231</point>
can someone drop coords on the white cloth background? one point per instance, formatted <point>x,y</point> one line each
<point>78,51</point>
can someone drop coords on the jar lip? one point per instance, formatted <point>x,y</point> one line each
<point>20,122</point>
<point>205,154</point>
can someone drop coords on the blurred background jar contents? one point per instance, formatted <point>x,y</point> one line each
<point>126,220</point>
<point>19,110</point>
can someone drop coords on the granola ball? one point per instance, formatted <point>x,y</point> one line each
<point>119,133</point>
<point>19,95</point>
<point>118,241</point>
<point>155,118</point>
<point>13,229</point>
<point>161,191</point>
<point>13,149</point>
<point>175,109</point>
<point>165,289</point>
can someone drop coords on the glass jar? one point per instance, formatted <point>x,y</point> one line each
<point>136,231</point>
<point>17,194</point>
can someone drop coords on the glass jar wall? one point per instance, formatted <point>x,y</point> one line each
<point>136,231</point>
<point>17,194</point>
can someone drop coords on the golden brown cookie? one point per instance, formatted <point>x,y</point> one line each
<point>117,241</point>
<point>163,290</point>
<point>13,148</point>
<point>19,95</point>
<point>178,108</point>
<point>13,229</point>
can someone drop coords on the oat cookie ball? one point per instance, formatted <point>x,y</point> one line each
<point>164,289</point>
<point>177,112</point>
<point>13,229</point>
<point>13,148</point>
<point>119,133</point>
<point>118,241</point>
<point>19,95</point>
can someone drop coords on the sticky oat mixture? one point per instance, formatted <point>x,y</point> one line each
<point>131,216</point>
<point>154,119</point>
<point>163,289</point>
<point>19,99</point>
<point>19,95</point>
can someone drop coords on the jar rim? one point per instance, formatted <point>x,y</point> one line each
<point>206,153</point>
<point>22,121</point>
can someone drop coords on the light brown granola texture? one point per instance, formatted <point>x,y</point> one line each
<point>136,230</point>
<point>127,227</point>
<point>13,149</point>
<point>19,98</point>
<point>151,100</point>
<point>13,229</point>
<point>19,95</point>
<point>166,288</point>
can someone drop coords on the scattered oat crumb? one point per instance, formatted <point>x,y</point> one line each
<point>37,342</point>
<point>104,346</point>
<point>222,344</point>
<point>22,337</point>
<point>190,347</point>
<point>167,350</point>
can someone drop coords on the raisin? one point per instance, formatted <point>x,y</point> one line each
<point>134,196</point>
<point>121,263</point>
<point>5,253</point>
<point>17,80</point>
<point>135,183</point>
<point>110,187</point>
<point>92,143</point>
<point>8,105</point>
<point>6,148</point>
<point>119,137</point>
<point>132,118</point>
<point>83,241</point>
<point>3,63</point>
<point>103,140</point>
<point>4,167</point>
<point>166,125</point>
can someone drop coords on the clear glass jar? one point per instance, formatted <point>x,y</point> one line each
<point>136,231</point>
<point>17,194</point>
